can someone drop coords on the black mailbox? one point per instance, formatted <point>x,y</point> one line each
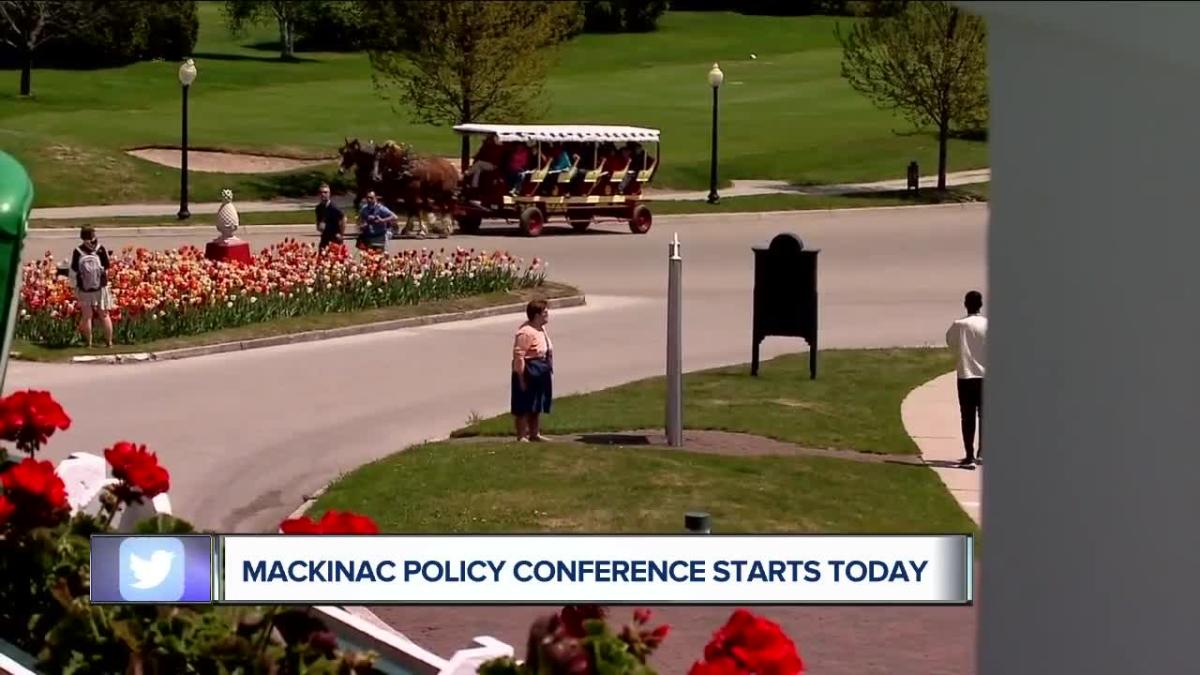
<point>785,295</point>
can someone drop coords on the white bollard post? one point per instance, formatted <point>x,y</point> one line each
<point>674,345</point>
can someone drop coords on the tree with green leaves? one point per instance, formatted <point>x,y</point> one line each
<point>242,13</point>
<point>463,61</point>
<point>928,62</point>
<point>26,25</point>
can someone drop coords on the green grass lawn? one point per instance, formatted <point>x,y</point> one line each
<point>526,487</point>
<point>495,485</point>
<point>28,351</point>
<point>854,404</point>
<point>787,115</point>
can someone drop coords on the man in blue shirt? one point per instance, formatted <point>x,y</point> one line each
<point>374,221</point>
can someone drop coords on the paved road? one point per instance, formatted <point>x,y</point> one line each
<point>740,188</point>
<point>247,435</point>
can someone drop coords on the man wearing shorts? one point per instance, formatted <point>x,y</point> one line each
<point>89,268</point>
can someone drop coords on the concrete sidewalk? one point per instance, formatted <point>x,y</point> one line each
<point>740,188</point>
<point>751,188</point>
<point>930,415</point>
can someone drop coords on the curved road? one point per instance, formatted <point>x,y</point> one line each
<point>248,435</point>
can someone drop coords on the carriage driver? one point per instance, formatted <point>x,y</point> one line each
<point>487,159</point>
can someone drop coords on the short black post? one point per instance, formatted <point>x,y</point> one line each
<point>697,522</point>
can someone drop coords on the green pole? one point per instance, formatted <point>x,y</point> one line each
<point>16,200</point>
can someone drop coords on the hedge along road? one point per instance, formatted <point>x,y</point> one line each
<point>248,435</point>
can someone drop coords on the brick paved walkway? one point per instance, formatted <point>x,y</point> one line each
<point>832,640</point>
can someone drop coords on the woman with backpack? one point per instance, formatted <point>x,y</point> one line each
<point>89,267</point>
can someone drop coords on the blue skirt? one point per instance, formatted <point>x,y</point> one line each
<point>537,395</point>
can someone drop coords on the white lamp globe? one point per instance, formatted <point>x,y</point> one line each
<point>187,72</point>
<point>715,76</point>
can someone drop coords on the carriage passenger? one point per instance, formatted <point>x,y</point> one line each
<point>487,159</point>
<point>518,162</point>
<point>633,156</point>
<point>608,157</point>
<point>560,159</point>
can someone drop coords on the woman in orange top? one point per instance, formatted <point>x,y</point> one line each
<point>532,372</point>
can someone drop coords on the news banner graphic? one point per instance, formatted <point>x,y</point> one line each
<point>535,569</point>
<point>152,569</point>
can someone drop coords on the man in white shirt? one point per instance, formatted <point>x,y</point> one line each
<point>967,338</point>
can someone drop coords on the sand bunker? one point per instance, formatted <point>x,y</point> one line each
<point>226,162</point>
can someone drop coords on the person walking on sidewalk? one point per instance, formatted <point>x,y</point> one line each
<point>967,338</point>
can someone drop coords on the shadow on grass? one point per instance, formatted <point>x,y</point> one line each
<point>217,56</point>
<point>273,46</point>
<point>926,195</point>
<point>614,439</point>
<point>301,183</point>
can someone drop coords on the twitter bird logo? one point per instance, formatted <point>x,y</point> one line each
<point>151,569</point>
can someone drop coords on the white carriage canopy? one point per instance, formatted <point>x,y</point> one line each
<point>561,133</point>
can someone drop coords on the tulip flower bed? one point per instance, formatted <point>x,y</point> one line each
<point>166,294</point>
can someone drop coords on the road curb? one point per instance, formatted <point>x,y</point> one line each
<point>317,335</point>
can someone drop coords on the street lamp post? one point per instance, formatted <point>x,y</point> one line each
<point>187,74</point>
<point>715,78</point>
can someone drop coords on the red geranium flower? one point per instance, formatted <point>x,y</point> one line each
<point>333,522</point>
<point>138,469</point>
<point>754,644</point>
<point>7,509</point>
<point>35,492</point>
<point>574,616</point>
<point>722,666</point>
<point>29,418</point>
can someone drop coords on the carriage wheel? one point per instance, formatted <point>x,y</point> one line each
<point>532,221</point>
<point>640,220</point>
<point>469,224</point>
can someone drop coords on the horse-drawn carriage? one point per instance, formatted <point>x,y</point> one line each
<point>582,173</point>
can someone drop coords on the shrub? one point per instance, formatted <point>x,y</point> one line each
<point>622,16</point>
<point>330,26</point>
<point>119,32</point>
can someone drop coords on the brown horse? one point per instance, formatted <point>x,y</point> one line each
<point>361,158</point>
<point>425,185</point>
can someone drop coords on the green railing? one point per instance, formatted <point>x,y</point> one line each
<point>16,200</point>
